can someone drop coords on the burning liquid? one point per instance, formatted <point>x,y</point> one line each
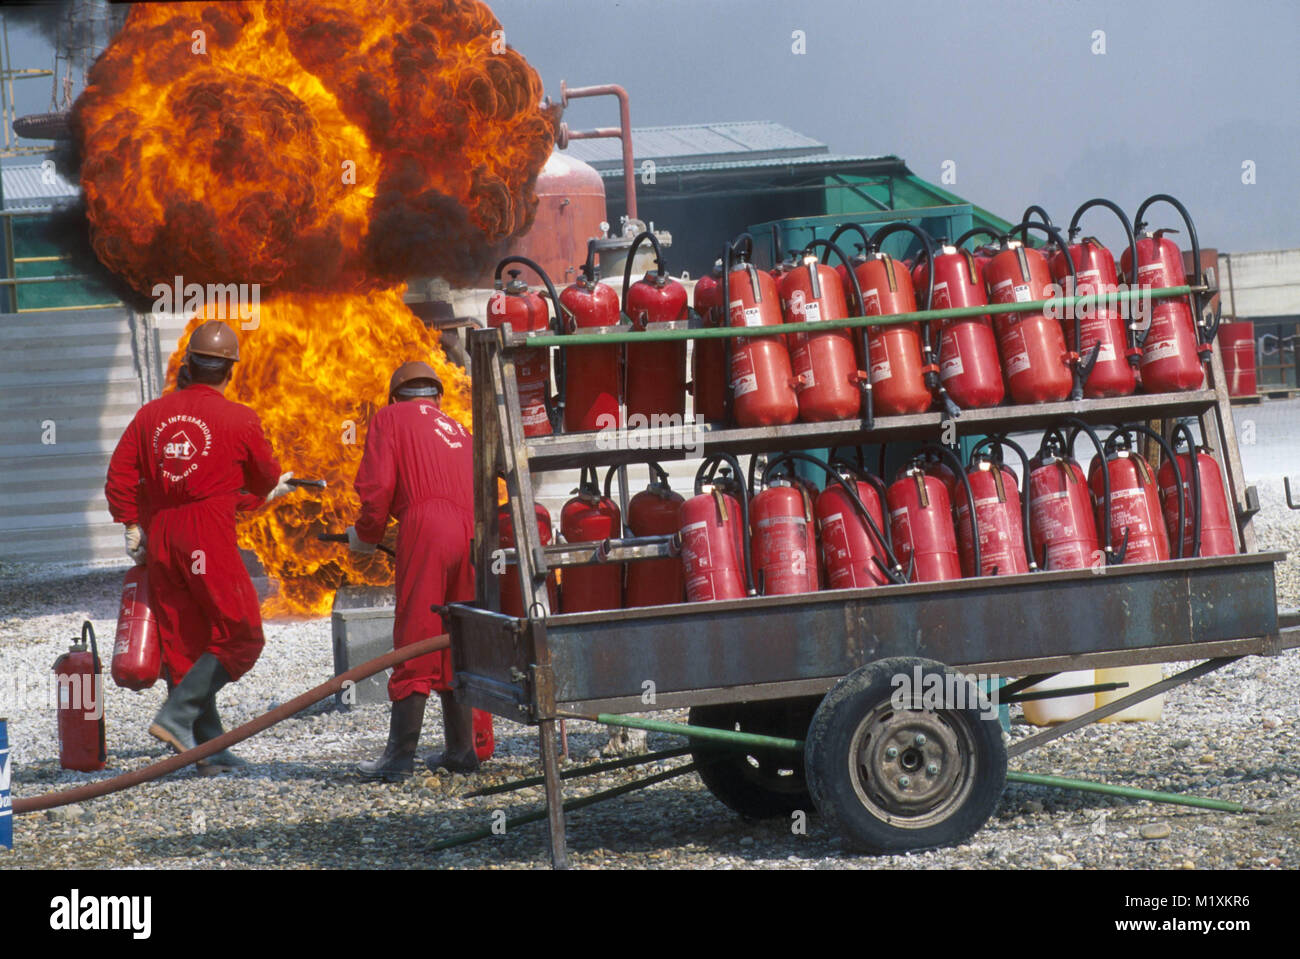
<point>326,152</point>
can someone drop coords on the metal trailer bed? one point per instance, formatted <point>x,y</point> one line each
<point>790,651</point>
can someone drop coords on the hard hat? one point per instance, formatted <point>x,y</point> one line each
<point>410,372</point>
<point>215,339</point>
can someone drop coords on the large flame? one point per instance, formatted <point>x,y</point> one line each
<point>325,151</point>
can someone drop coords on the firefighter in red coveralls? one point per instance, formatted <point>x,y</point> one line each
<point>181,469</point>
<point>418,467</point>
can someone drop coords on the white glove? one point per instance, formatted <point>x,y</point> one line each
<point>135,543</point>
<point>281,487</point>
<point>357,544</point>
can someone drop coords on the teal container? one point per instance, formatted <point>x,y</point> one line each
<point>6,803</point>
<point>795,233</point>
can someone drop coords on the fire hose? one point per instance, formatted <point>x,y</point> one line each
<point>226,740</point>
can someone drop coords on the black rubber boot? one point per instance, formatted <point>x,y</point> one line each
<point>398,760</point>
<point>206,728</point>
<point>458,731</point>
<point>174,723</point>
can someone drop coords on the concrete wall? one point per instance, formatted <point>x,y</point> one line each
<point>1260,284</point>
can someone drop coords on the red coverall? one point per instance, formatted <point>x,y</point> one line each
<point>194,451</point>
<point>419,468</point>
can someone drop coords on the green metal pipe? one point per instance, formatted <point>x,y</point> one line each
<point>695,732</point>
<point>568,806</point>
<point>591,770</point>
<point>893,319</point>
<point>1127,792</point>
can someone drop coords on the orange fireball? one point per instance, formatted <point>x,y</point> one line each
<point>321,153</point>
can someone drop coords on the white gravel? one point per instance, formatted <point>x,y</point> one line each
<point>1233,735</point>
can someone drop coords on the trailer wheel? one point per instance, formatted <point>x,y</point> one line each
<point>757,783</point>
<point>922,772</point>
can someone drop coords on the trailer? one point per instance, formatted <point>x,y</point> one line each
<point>822,671</point>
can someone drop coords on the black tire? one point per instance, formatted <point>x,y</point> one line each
<point>897,780</point>
<point>757,783</point>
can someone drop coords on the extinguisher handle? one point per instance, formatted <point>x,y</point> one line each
<point>631,256</point>
<point>88,638</point>
<point>1032,210</point>
<point>974,232</point>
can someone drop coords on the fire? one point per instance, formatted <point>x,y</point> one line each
<point>324,152</point>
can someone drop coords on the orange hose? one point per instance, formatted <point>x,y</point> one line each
<point>265,721</point>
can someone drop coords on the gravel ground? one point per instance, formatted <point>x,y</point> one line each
<point>1232,735</point>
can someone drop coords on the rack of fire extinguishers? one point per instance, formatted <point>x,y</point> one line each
<point>783,603</point>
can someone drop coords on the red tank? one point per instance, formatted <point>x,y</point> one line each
<point>1035,361</point>
<point>713,547</point>
<point>1218,531</point>
<point>848,547</point>
<point>654,511</point>
<point>1134,506</point>
<point>825,364</point>
<point>968,348</point>
<point>592,373</point>
<point>80,687</point>
<point>591,518</point>
<point>762,382</point>
<point>784,541</point>
<point>526,312</point>
<point>511,593</point>
<point>137,651</point>
<point>1170,357</point>
<point>1063,530</point>
<point>998,511</point>
<point>897,364</point>
<point>656,372</point>
<point>1112,375</point>
<point>709,357</point>
<point>920,517</point>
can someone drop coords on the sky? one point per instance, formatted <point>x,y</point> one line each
<point>1025,97</point>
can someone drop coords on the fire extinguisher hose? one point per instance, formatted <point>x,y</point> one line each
<point>137,777</point>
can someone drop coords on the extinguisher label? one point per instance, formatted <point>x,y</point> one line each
<point>1094,330</point>
<point>880,369</point>
<point>812,312</point>
<point>870,302</point>
<point>1015,357</point>
<point>743,378</point>
<point>941,298</point>
<point>748,315</point>
<point>950,363</point>
<point>695,547</point>
<point>1158,350</point>
<point>1002,291</point>
<point>801,362</point>
<point>1022,293</point>
<point>1089,282</point>
<point>1153,274</point>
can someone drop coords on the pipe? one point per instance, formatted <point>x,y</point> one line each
<point>920,316</point>
<point>622,133</point>
<point>104,787</point>
<point>694,732</point>
<point>591,770</point>
<point>1128,792</point>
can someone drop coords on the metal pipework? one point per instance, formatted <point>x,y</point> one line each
<point>622,132</point>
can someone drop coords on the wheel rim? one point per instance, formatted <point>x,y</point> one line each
<point>912,768</point>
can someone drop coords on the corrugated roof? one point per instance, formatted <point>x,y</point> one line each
<point>701,143</point>
<point>746,163</point>
<point>31,185</point>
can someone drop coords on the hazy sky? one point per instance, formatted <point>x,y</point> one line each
<point>1009,90</point>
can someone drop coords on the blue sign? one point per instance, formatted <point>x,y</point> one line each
<point>6,808</point>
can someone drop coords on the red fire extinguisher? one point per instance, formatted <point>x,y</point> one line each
<point>591,518</point>
<point>1102,328</point>
<point>656,372</point>
<point>137,651</point>
<point>1208,528</point>
<point>592,375</point>
<point>1035,360</point>
<point>1135,516</point>
<point>783,537</point>
<point>526,312</point>
<point>709,357</point>
<point>762,382</point>
<point>1063,528</point>
<point>968,348</point>
<point>1177,344</point>
<point>655,511</point>
<point>714,534</point>
<point>1001,513</point>
<point>511,591</point>
<point>920,515</point>
<point>80,687</point>
<point>825,363</point>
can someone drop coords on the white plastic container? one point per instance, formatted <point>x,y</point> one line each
<point>1137,677</point>
<point>1049,712</point>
